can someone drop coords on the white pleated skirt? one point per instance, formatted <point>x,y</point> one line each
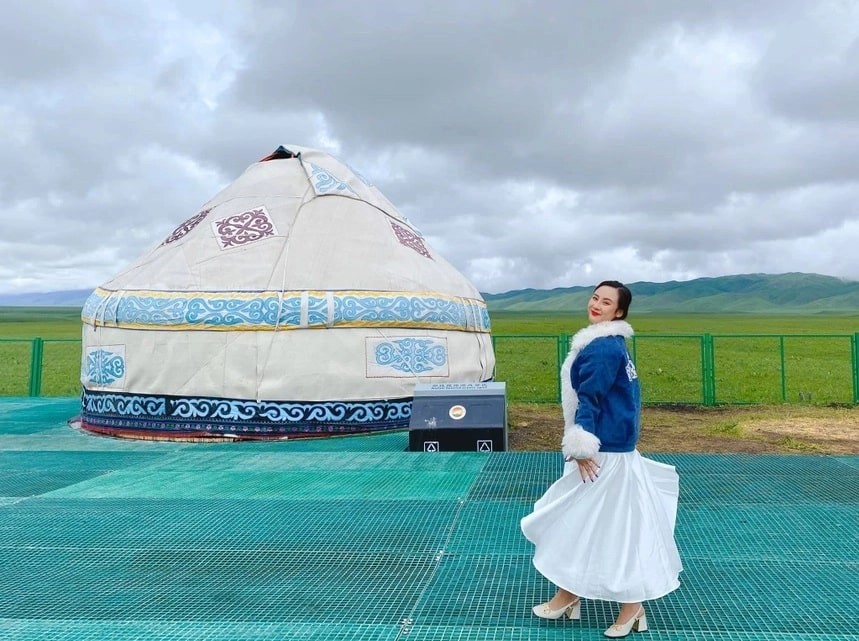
<point>612,539</point>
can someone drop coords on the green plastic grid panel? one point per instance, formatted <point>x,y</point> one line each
<point>504,487</point>
<point>810,488</point>
<point>517,476</point>
<point>574,631</point>
<point>63,438</point>
<point>482,590</point>
<point>788,596</point>
<point>51,461</point>
<point>34,483</point>
<point>715,596</point>
<point>34,473</point>
<point>703,478</point>
<point>492,591</point>
<point>248,473</point>
<point>245,457</point>
<point>750,464</point>
<point>311,485</point>
<point>37,412</point>
<point>490,527</point>
<point>819,533</point>
<point>343,526</point>
<point>800,483</point>
<point>548,465</point>
<point>735,532</point>
<point>313,586</point>
<point>448,564</point>
<point>382,442</point>
<point>849,461</point>
<point>27,428</point>
<point>493,633</point>
<point>141,629</point>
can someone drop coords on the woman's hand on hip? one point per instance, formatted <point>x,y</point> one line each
<point>588,468</point>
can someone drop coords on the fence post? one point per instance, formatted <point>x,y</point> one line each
<point>36,356</point>
<point>854,340</point>
<point>783,377</point>
<point>708,370</point>
<point>563,348</point>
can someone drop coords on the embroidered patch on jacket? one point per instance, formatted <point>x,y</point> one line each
<point>630,369</point>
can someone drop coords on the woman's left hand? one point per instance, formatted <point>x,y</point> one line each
<point>588,468</point>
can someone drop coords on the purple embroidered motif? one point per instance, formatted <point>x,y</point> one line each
<point>187,226</point>
<point>410,239</point>
<point>244,228</point>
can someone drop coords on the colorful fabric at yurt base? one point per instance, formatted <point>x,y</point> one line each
<point>297,302</point>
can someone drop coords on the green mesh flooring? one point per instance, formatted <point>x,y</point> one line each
<point>356,538</point>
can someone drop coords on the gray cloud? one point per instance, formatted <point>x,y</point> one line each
<point>535,144</point>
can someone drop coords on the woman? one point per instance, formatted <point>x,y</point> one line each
<point>605,529</point>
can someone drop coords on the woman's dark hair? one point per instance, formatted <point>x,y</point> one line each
<point>624,296</point>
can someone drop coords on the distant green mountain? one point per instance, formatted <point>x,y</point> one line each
<point>67,298</point>
<point>793,293</point>
<point>745,293</point>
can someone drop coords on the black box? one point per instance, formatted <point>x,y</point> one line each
<point>459,417</point>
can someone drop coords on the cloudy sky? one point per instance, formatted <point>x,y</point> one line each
<point>535,144</point>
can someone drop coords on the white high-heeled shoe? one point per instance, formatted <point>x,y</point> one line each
<point>637,623</point>
<point>573,610</point>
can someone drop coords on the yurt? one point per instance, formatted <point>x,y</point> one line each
<point>297,302</point>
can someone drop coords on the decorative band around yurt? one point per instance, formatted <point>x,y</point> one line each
<point>177,417</point>
<point>275,310</point>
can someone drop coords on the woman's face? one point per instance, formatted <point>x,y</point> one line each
<point>603,305</point>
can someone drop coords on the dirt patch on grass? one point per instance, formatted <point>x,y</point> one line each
<point>755,430</point>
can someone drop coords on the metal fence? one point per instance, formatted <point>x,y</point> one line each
<point>689,369</point>
<point>40,366</point>
<point>701,369</point>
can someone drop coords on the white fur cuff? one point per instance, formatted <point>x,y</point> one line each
<point>579,443</point>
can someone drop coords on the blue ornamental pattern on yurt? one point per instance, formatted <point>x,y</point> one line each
<point>104,367</point>
<point>271,310</point>
<point>415,355</point>
<point>231,416</point>
<point>123,404</point>
<point>324,182</point>
<point>484,317</point>
<point>400,310</point>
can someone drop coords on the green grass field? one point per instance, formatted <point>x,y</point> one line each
<point>802,359</point>
<point>61,329</point>
<point>809,360</point>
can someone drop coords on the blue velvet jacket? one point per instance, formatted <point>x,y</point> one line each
<point>600,394</point>
<point>606,383</point>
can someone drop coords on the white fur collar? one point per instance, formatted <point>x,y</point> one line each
<point>599,330</point>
